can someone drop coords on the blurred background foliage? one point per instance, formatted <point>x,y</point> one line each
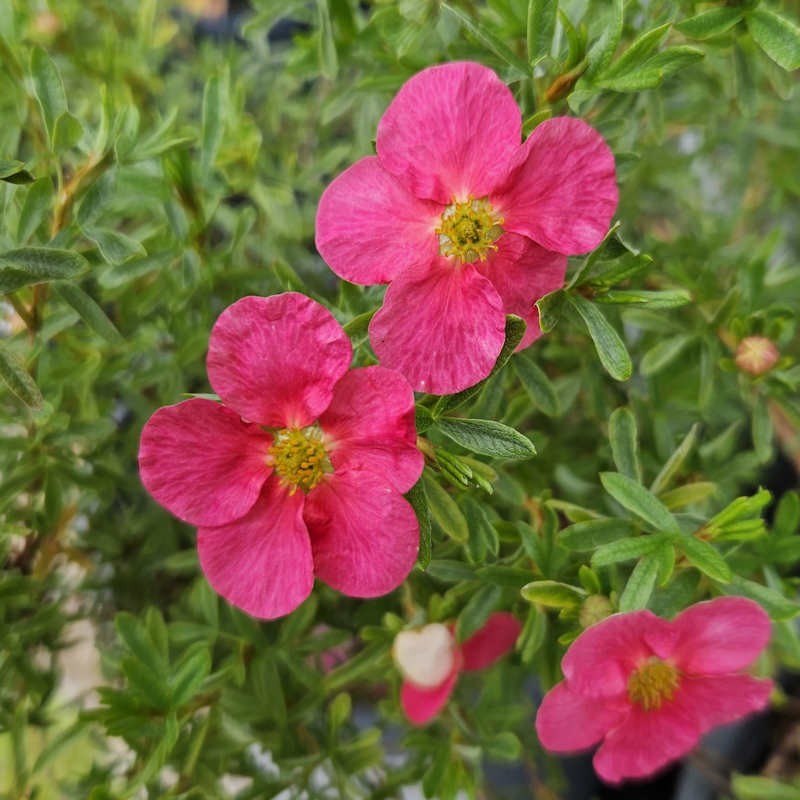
<point>159,160</point>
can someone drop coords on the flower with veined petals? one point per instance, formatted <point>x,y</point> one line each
<point>648,689</point>
<point>299,471</point>
<point>430,661</point>
<point>463,221</point>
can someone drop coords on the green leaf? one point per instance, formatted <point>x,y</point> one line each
<point>536,384</point>
<point>16,377</point>
<point>639,500</point>
<point>416,496</point>
<point>776,36</point>
<point>533,635</point>
<point>675,461</point>
<point>445,511</point>
<point>48,89</point>
<point>115,247</point>
<point>592,533</point>
<point>553,594</point>
<point>326,48</point>
<point>664,353</point>
<point>90,312</point>
<point>672,298</point>
<point>29,265</point>
<point>481,530</point>
<point>756,787</point>
<point>542,15</point>
<point>627,549</point>
<point>487,437</point>
<point>37,203</point>
<point>704,556</point>
<point>132,632</point>
<point>475,613</point>
<point>450,571</point>
<point>640,584</point>
<point>687,494</point>
<point>636,55</point>
<point>610,348</point>
<point>14,172</point>
<point>762,431</point>
<point>215,112</point>
<point>622,434</point>
<point>489,40</point>
<point>515,330</point>
<point>67,133</point>
<point>189,674</point>
<point>551,308</point>
<point>710,23</point>
<point>603,48</point>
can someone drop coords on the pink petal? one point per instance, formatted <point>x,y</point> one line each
<point>720,699</point>
<point>364,534</point>
<point>370,423</point>
<point>600,661</point>
<point>442,326</point>
<point>491,642</point>
<point>721,635</point>
<point>202,463</point>
<point>649,740</point>
<point>276,359</point>
<point>567,722</point>
<point>261,563</point>
<point>646,742</point>
<point>451,131</point>
<point>522,273</point>
<point>370,228</point>
<point>561,190</point>
<point>422,705</point>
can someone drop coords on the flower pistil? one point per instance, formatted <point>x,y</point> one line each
<point>299,457</point>
<point>468,230</point>
<point>652,684</point>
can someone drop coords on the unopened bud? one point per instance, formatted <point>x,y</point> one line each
<point>595,607</point>
<point>756,355</point>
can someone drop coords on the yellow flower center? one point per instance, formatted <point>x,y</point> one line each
<point>653,684</point>
<point>299,457</point>
<point>468,231</point>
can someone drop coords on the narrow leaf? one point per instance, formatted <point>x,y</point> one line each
<point>622,434</point>
<point>626,550</point>
<point>710,23</point>
<point>30,265</point>
<point>664,353</point>
<point>675,461</point>
<point>536,384</point>
<point>776,36</point>
<point>704,556</point>
<point>477,610</point>
<point>553,594</point>
<point>90,312</point>
<point>48,89</point>
<point>16,377</point>
<point>542,16</point>
<point>640,584</point>
<point>445,511</point>
<point>14,172</point>
<point>610,348</point>
<point>639,500</point>
<point>419,502</point>
<point>328,59</point>
<point>487,437</point>
<point>592,533</point>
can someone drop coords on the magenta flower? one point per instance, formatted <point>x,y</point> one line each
<point>300,471</point>
<point>648,689</point>
<point>431,661</point>
<point>463,221</point>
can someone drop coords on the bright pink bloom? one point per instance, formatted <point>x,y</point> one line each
<point>431,661</point>
<point>648,689</point>
<point>466,223</point>
<point>300,471</point>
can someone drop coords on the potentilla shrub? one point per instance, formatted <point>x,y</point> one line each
<point>394,393</point>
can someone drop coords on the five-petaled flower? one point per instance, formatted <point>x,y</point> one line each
<point>299,471</point>
<point>465,223</point>
<point>431,660</point>
<point>648,689</point>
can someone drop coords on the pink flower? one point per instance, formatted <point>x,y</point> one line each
<point>465,223</point>
<point>300,471</point>
<point>431,661</point>
<point>648,689</point>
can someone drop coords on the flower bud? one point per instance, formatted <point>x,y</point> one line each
<point>756,355</point>
<point>594,608</point>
